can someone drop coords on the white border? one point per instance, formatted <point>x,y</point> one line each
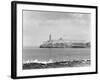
<point>36,72</point>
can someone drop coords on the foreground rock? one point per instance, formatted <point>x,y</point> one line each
<point>74,63</point>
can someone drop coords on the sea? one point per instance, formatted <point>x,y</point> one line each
<point>55,54</point>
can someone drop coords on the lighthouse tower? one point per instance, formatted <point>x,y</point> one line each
<point>50,37</point>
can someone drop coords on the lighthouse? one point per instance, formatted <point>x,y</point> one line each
<point>50,37</point>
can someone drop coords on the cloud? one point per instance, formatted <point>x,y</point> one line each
<point>37,25</point>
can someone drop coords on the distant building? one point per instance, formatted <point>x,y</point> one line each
<point>61,43</point>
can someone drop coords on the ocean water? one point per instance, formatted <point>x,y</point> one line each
<point>55,54</point>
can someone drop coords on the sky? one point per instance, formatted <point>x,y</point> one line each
<point>38,25</point>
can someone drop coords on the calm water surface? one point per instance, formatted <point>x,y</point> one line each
<point>56,54</point>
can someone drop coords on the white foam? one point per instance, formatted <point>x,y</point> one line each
<point>37,61</point>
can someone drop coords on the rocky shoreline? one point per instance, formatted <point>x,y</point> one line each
<point>73,63</point>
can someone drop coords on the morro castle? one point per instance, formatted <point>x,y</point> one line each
<point>61,43</point>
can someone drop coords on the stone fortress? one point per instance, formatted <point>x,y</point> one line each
<point>61,43</point>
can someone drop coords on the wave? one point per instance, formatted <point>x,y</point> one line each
<point>51,61</point>
<point>37,61</point>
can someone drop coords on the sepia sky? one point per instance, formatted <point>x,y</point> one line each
<point>37,25</point>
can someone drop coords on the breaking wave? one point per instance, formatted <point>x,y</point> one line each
<point>37,61</point>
